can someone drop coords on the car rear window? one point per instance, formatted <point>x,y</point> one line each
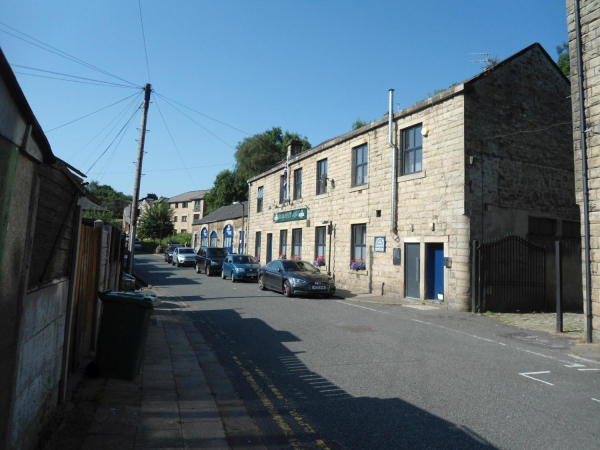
<point>216,252</point>
<point>243,259</point>
<point>186,250</point>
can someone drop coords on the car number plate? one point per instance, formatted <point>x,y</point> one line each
<point>319,288</point>
<point>251,274</point>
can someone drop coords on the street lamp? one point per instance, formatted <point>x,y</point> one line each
<point>243,229</point>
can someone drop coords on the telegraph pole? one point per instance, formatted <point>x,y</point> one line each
<point>138,176</point>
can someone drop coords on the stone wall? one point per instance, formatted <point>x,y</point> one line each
<point>517,121</point>
<point>432,196</point>
<point>218,227</point>
<point>590,32</point>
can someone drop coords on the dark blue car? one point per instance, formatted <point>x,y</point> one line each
<point>295,277</point>
<point>240,267</point>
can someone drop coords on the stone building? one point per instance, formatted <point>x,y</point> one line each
<point>223,227</point>
<point>468,167</point>
<point>589,15</point>
<point>187,208</point>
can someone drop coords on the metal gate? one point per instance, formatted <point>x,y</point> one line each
<point>508,275</point>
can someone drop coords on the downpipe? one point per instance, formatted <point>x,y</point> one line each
<point>393,227</point>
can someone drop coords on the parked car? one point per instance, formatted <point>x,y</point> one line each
<point>295,277</point>
<point>210,260</point>
<point>137,244</point>
<point>240,267</point>
<point>169,251</point>
<point>183,256</point>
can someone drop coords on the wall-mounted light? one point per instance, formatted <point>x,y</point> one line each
<point>432,226</point>
<point>412,227</point>
<point>471,159</point>
<point>424,131</point>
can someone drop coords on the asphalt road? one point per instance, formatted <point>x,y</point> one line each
<point>338,374</point>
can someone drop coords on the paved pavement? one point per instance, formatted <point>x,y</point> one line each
<point>335,373</point>
<point>181,399</point>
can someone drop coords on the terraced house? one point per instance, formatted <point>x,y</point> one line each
<point>187,208</point>
<point>393,206</point>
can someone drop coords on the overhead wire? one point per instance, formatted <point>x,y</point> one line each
<point>60,53</point>
<point>197,123</point>
<point>114,152</point>
<point>144,36</point>
<point>202,114</point>
<point>90,114</point>
<point>75,76</point>
<point>73,81</point>
<point>116,121</point>
<point>116,118</point>
<point>120,131</point>
<point>165,170</point>
<point>174,144</point>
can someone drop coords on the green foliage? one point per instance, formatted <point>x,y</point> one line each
<point>112,200</point>
<point>437,91</point>
<point>257,153</point>
<point>228,188</point>
<point>563,58</point>
<point>182,238</point>
<point>105,216</point>
<point>359,123</point>
<point>254,155</point>
<point>156,220</point>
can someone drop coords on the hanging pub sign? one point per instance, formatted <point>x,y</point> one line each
<point>380,244</point>
<point>288,216</point>
<point>228,231</point>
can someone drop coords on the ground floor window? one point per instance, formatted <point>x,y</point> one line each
<point>214,239</point>
<point>283,244</point>
<point>297,243</point>
<point>359,242</point>
<point>204,238</point>
<point>257,245</point>
<point>320,245</point>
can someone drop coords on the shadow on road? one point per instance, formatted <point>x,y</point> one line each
<point>276,385</point>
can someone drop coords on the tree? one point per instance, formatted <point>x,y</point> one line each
<point>359,123</point>
<point>563,58</point>
<point>228,188</point>
<point>257,153</point>
<point>105,216</point>
<point>156,220</point>
<point>112,200</point>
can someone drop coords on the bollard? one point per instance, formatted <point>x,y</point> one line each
<point>559,314</point>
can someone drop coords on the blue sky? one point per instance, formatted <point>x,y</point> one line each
<point>308,66</point>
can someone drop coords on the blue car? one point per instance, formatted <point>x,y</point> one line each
<point>240,267</point>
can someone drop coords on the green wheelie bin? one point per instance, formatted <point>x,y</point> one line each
<point>123,332</point>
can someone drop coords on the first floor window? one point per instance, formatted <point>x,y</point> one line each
<point>283,243</point>
<point>412,150</point>
<point>359,242</point>
<point>360,158</point>
<point>297,243</point>
<point>322,176</point>
<point>321,241</point>
<point>257,245</point>
<point>259,199</point>
<point>196,217</point>
<point>297,184</point>
<point>184,218</point>
<point>175,219</point>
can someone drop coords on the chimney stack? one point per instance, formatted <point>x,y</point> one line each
<point>294,146</point>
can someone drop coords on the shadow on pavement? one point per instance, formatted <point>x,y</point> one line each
<point>277,386</point>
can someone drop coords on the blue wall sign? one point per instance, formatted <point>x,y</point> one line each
<point>380,244</point>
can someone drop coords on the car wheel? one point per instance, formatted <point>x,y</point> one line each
<point>261,283</point>
<point>233,280</point>
<point>287,289</point>
<point>222,274</point>
<point>197,268</point>
<point>208,271</point>
<point>177,264</point>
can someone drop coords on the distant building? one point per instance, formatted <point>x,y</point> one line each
<point>187,208</point>
<point>143,204</point>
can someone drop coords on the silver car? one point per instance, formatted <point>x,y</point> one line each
<point>183,256</point>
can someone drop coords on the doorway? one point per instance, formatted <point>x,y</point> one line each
<point>434,261</point>
<point>412,274</point>
<point>269,247</point>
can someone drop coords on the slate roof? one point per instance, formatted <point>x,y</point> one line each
<point>228,212</point>
<point>188,196</point>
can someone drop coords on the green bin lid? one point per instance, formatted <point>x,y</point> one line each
<point>134,298</point>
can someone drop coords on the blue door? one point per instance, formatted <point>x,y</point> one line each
<point>228,238</point>
<point>435,271</point>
